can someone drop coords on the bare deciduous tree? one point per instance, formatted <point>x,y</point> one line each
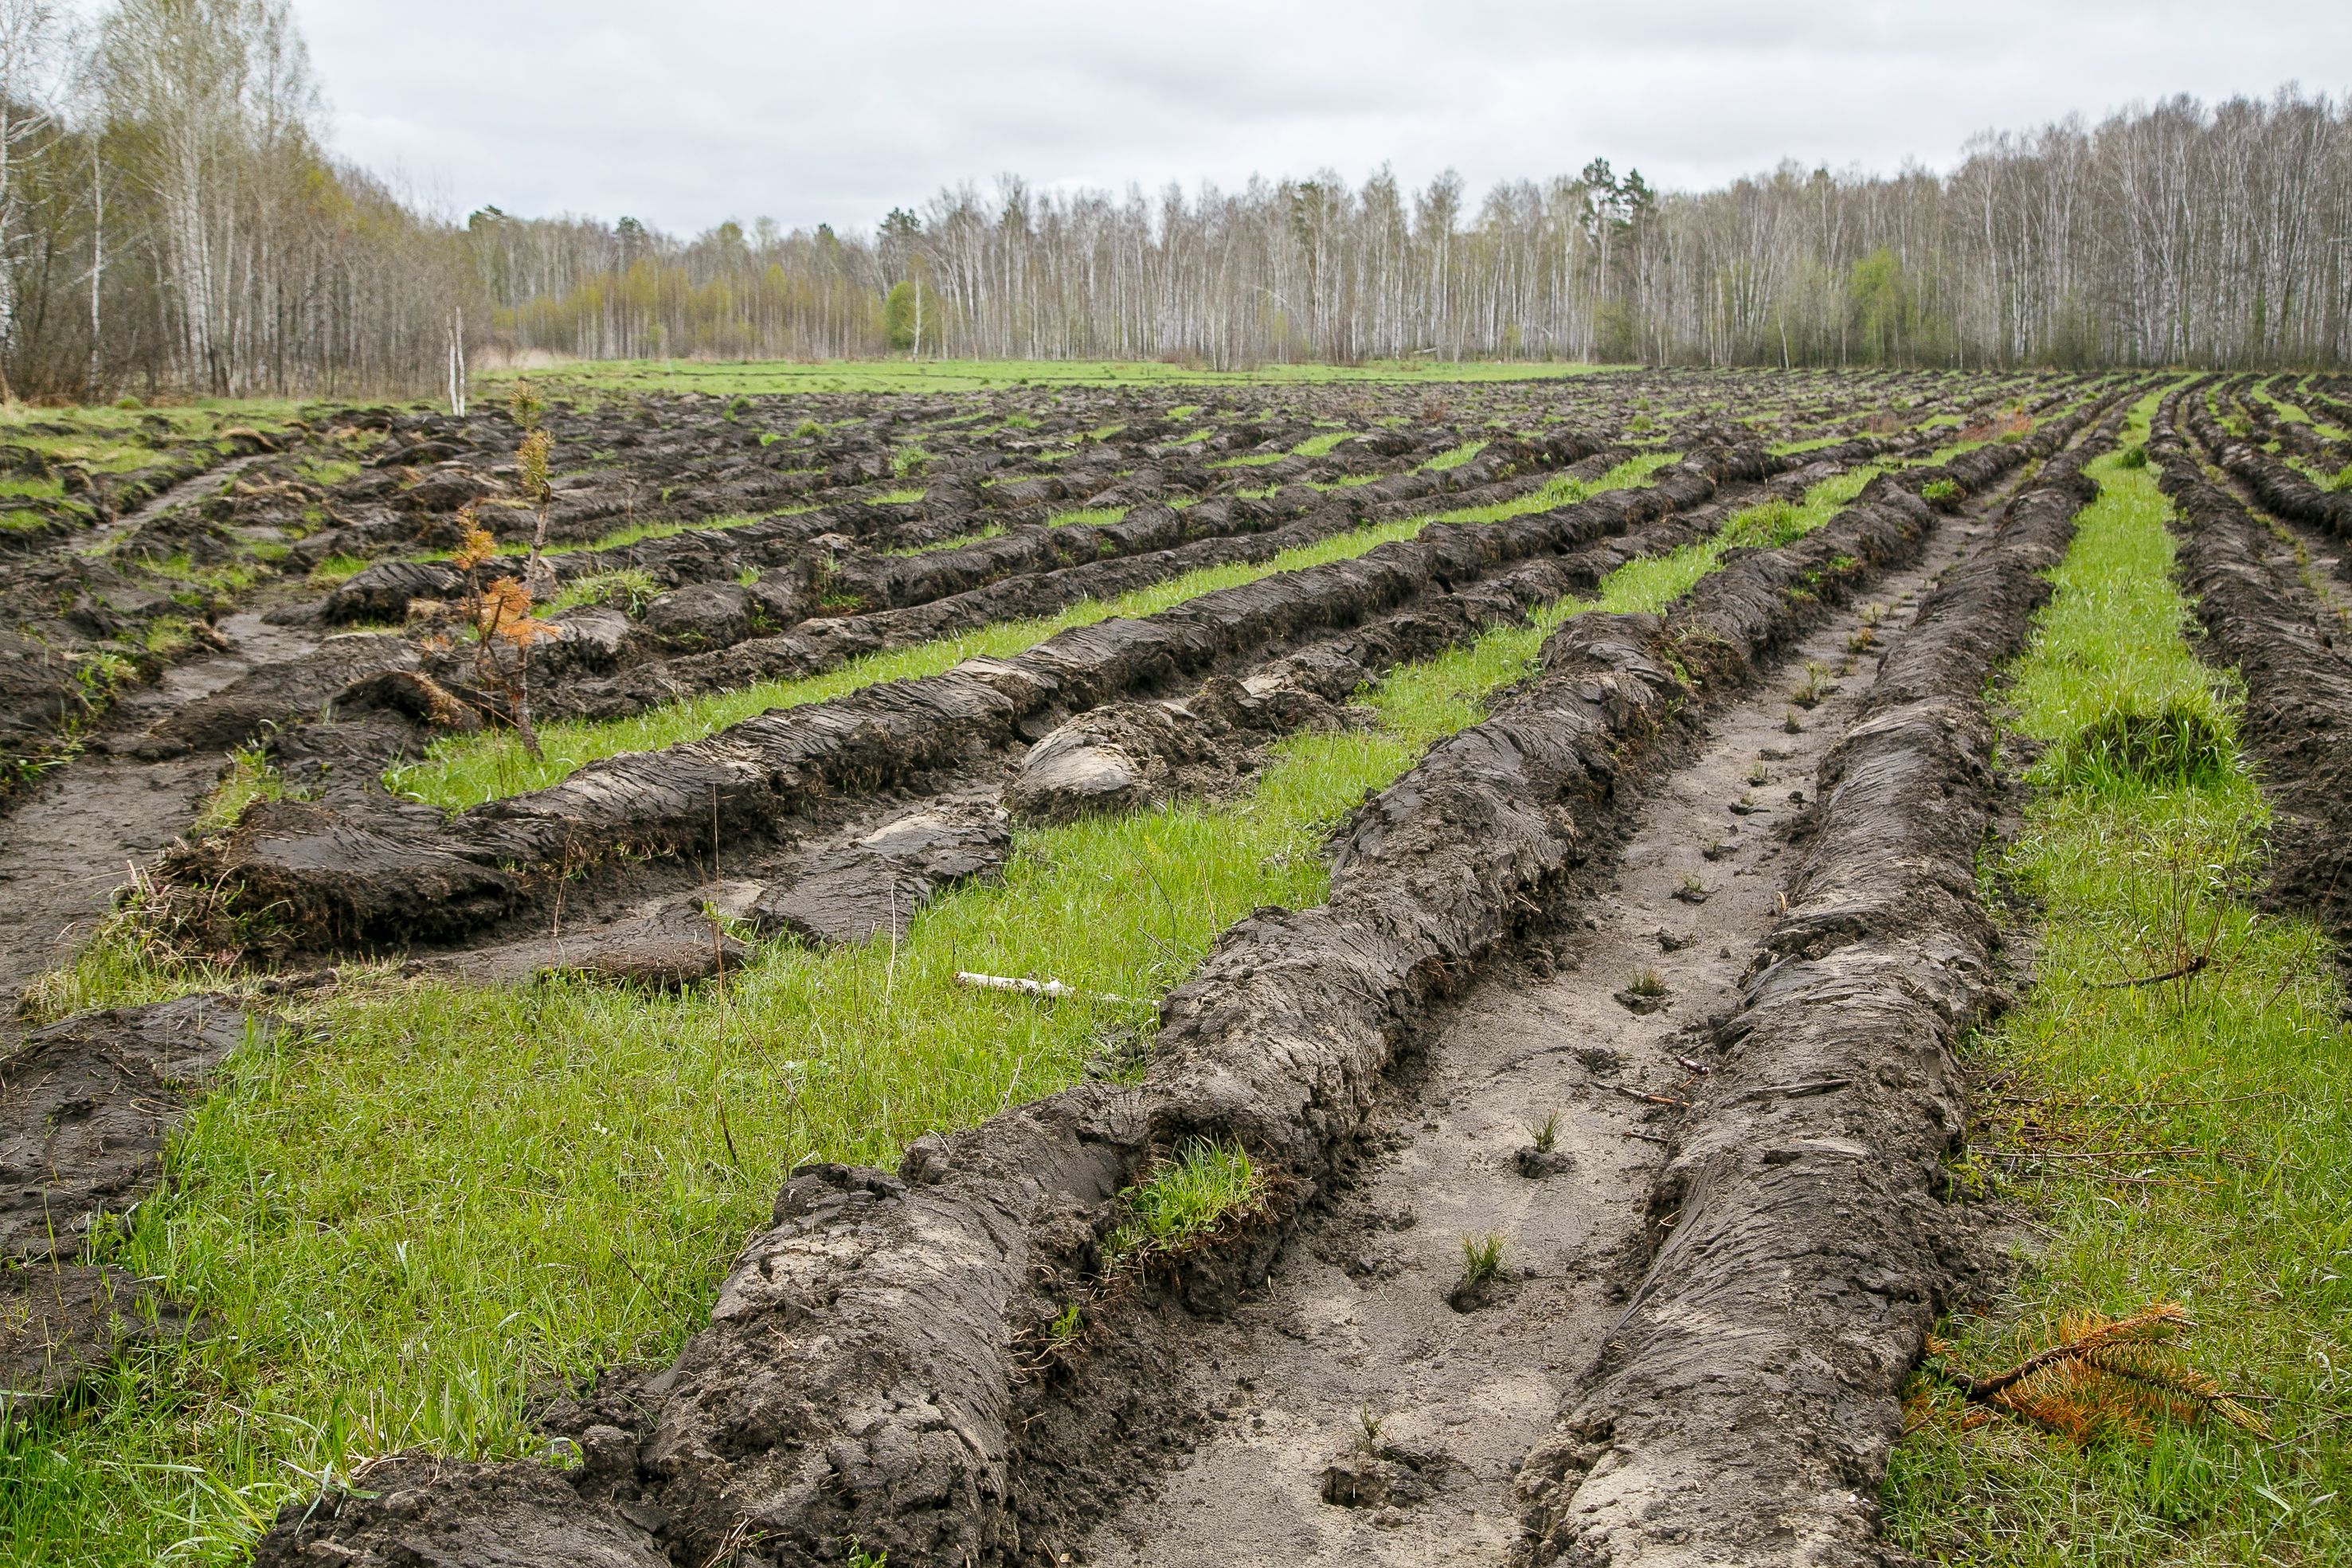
<point>184,189</point>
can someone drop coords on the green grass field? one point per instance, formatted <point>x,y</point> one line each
<point>2189,1141</point>
<point>404,1210</point>
<point>730,379</point>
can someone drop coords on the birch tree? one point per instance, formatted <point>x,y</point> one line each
<point>28,31</point>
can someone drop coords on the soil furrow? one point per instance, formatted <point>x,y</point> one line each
<point>1122,756</point>
<point>348,879</point>
<point>1747,1396</point>
<point>79,832</point>
<point>856,1382</point>
<point>1356,1324</point>
<point>2320,557</point>
<point>973,1353</point>
<point>2287,645</point>
<point>179,492</point>
<point>2274,484</point>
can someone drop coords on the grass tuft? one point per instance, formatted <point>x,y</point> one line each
<point>1482,1261</point>
<point>1183,1199</point>
<point>627,589</point>
<point>2183,743</point>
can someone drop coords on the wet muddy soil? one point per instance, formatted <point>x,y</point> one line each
<point>77,835</point>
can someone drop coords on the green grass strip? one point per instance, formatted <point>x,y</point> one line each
<point>1313,446</point>
<point>958,542</point>
<point>465,770</point>
<point>2243,1073</point>
<point>400,1214</point>
<point>1087,516</point>
<point>1562,491</point>
<point>2295,413</point>
<point>978,375</point>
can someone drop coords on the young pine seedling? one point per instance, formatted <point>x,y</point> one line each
<point>1546,1134</point>
<point>1813,687</point>
<point>1482,1260</point>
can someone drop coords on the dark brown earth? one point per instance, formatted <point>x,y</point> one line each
<point>84,1107</point>
<point>72,838</point>
<point>880,1369</point>
<point>876,882</point>
<point>855,1381</point>
<point>2289,645</point>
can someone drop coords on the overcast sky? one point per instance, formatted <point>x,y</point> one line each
<point>686,112</point>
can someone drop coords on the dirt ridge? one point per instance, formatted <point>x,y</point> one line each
<point>1750,1401</point>
<point>2298,709</point>
<point>856,1380</point>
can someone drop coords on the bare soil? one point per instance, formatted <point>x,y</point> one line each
<point>1355,1320</point>
<point>1557,918</point>
<point>82,831</point>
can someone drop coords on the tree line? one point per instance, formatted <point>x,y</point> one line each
<point>2173,234</point>
<point>171,219</point>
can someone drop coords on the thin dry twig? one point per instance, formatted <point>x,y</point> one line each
<point>2182,972</point>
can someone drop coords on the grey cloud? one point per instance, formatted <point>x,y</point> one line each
<point>694,112</point>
